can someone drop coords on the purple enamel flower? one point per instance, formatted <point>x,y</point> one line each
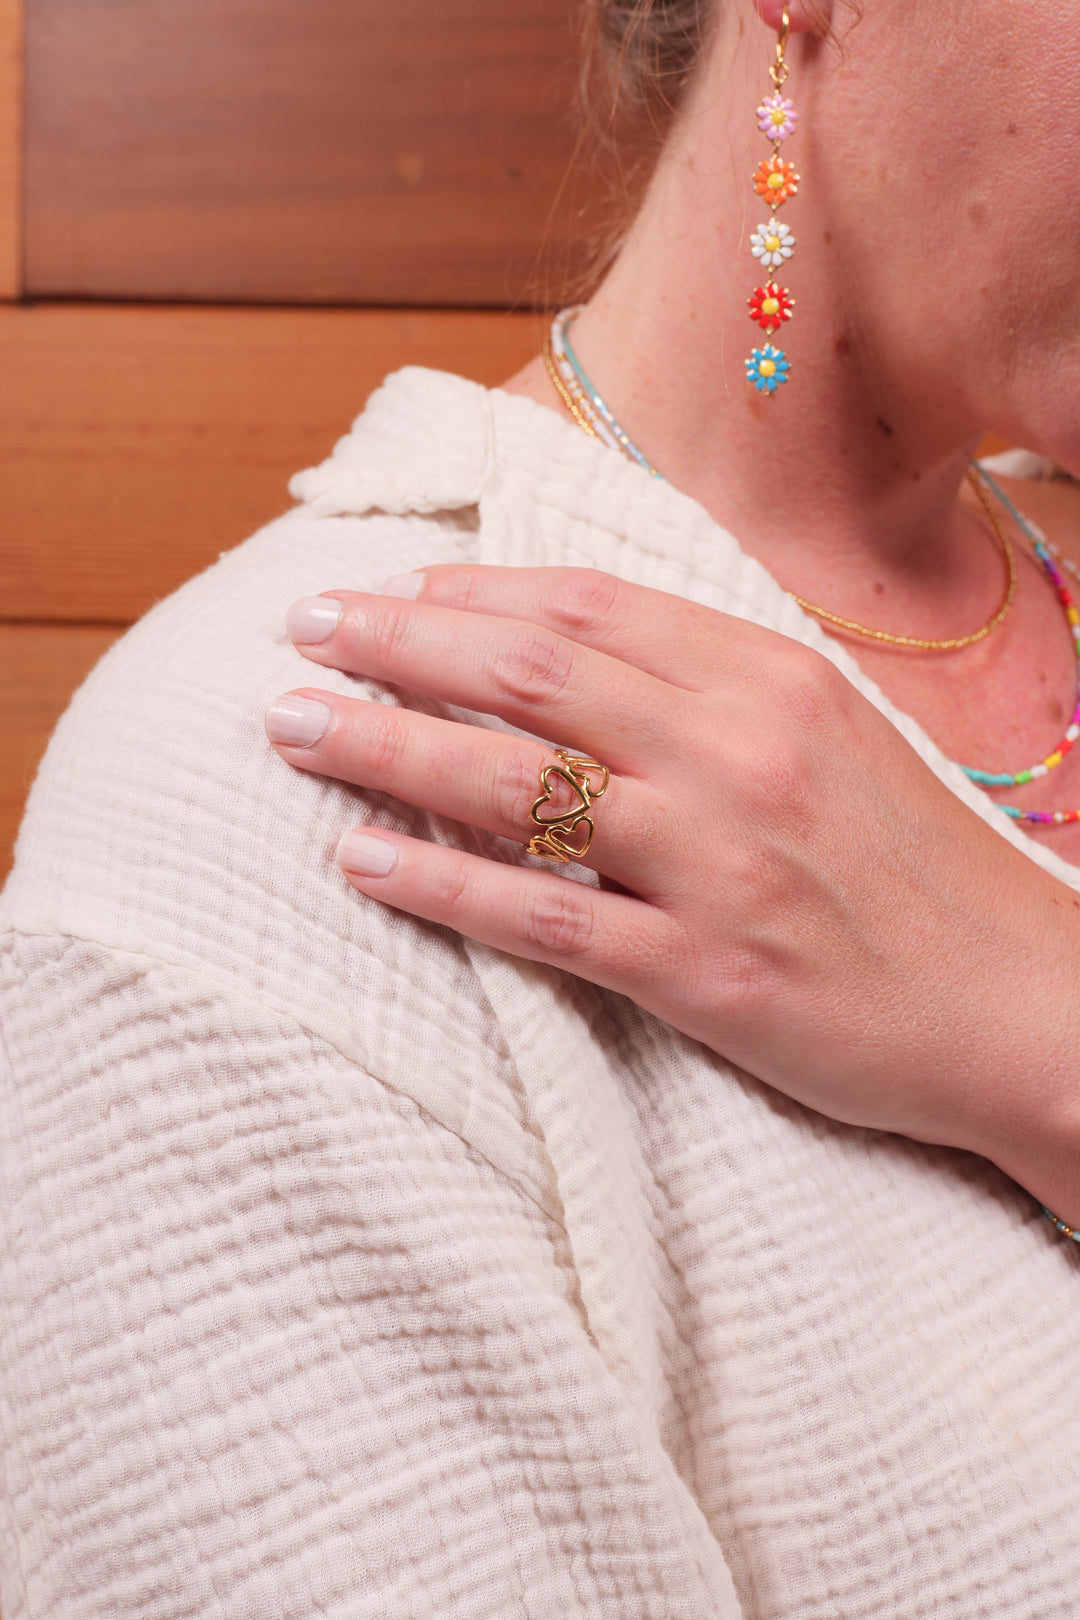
<point>777,117</point>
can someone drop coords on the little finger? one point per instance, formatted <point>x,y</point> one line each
<point>613,940</point>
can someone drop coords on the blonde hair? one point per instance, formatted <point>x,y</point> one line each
<point>644,52</point>
<point>641,54</point>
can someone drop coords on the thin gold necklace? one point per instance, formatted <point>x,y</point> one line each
<point>591,413</point>
<point>950,643</point>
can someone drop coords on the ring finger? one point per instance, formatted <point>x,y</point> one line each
<point>470,774</point>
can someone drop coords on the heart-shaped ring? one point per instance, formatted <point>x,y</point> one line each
<point>579,792</point>
<point>567,836</point>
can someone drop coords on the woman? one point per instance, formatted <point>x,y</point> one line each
<point>682,1255</point>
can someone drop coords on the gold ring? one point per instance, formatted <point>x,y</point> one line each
<point>579,776</point>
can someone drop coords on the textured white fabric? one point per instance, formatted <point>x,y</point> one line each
<point>350,1269</point>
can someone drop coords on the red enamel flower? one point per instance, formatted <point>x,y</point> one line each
<point>770,306</point>
<point>775,180</point>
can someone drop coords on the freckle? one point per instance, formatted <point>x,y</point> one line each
<point>842,344</point>
<point>1042,677</point>
<point>828,238</point>
<point>884,427</point>
<point>1054,711</point>
<point>1012,128</point>
<point>976,212</point>
<point>878,587</point>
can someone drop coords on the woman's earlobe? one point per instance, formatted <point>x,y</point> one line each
<point>806,16</point>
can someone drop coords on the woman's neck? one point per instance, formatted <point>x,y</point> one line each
<point>845,483</point>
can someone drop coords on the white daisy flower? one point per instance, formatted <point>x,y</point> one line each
<point>772,243</point>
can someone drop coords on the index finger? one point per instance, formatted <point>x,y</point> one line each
<point>677,641</point>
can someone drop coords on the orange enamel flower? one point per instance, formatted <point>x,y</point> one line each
<point>775,180</point>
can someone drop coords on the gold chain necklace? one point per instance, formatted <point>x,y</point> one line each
<point>950,643</point>
<point>591,413</point>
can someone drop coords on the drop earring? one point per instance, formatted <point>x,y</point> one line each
<point>775,180</point>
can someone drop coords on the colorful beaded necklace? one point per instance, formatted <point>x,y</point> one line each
<point>580,397</point>
<point>596,418</point>
<point>1041,547</point>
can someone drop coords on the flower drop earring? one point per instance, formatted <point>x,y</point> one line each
<point>772,243</point>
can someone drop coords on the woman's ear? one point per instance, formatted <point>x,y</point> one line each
<point>806,15</point>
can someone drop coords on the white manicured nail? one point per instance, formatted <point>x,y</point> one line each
<point>406,585</point>
<point>313,619</point>
<point>296,721</point>
<point>359,852</point>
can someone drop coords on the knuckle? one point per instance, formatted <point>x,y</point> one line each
<point>534,666</point>
<point>583,598</point>
<point>810,684</point>
<point>384,741</point>
<point>512,790</point>
<point>460,588</point>
<point>451,888</point>
<point>558,920</point>
<point>391,632</point>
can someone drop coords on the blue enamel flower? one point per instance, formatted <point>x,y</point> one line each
<point>767,368</point>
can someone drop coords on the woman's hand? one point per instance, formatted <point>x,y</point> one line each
<point>787,882</point>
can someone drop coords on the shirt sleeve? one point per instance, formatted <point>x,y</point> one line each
<point>275,1343</point>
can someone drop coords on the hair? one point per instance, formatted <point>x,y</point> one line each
<point>638,59</point>
<point>640,55</point>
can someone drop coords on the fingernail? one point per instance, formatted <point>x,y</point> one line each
<point>296,721</point>
<point>407,585</point>
<point>313,619</point>
<point>360,853</point>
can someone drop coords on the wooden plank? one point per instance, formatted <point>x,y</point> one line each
<point>40,667</point>
<point>136,444</point>
<point>267,150</point>
<point>10,147</point>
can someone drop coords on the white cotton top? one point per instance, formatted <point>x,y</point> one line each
<point>351,1269</point>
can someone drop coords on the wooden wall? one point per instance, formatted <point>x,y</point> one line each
<point>10,146</point>
<point>297,151</point>
<point>221,224</point>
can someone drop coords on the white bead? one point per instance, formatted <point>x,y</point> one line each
<point>1040,770</point>
<point>1059,815</point>
<point>1072,733</point>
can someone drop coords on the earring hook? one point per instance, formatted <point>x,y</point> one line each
<point>778,72</point>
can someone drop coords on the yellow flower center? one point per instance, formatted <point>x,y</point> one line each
<point>770,306</point>
<point>777,116</point>
<point>772,243</point>
<point>767,368</point>
<point>775,182</point>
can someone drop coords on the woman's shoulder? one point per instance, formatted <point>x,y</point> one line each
<point>173,711</point>
<point>161,821</point>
